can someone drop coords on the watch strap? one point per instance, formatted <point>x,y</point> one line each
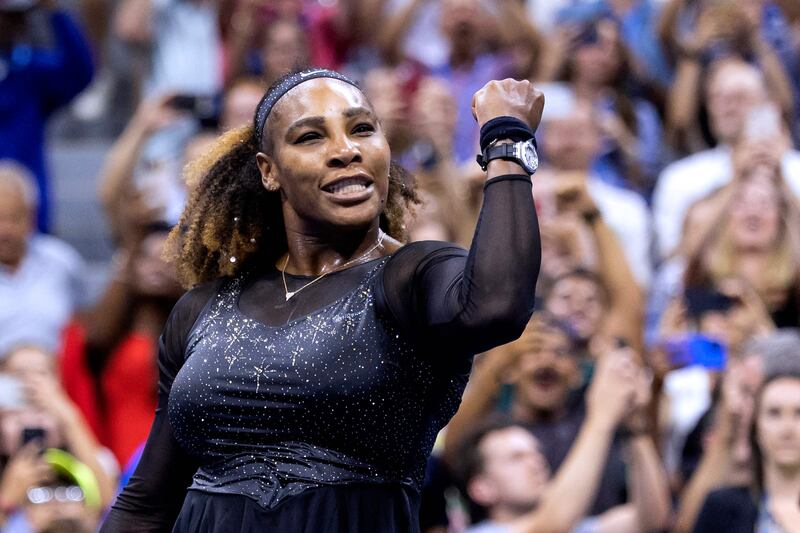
<point>499,151</point>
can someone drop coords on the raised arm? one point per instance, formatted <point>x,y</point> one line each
<point>391,37</point>
<point>66,69</point>
<point>648,508</point>
<point>572,490</point>
<point>115,187</point>
<point>485,299</point>
<point>625,315</point>
<point>479,398</point>
<point>733,417</point>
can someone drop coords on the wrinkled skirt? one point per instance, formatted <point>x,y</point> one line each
<point>354,508</point>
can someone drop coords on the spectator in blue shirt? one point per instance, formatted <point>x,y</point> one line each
<point>34,83</point>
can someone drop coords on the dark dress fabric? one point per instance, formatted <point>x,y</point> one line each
<point>728,510</point>
<point>318,413</point>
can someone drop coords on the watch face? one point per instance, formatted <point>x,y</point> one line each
<point>529,157</point>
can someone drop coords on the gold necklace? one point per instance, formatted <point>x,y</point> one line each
<point>289,293</point>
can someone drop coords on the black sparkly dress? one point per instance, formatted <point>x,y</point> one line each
<point>318,414</point>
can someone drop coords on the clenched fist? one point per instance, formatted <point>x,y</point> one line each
<point>518,99</point>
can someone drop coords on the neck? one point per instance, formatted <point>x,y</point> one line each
<point>586,90</point>
<point>313,254</point>
<point>751,264</point>
<point>782,482</point>
<point>532,415</point>
<point>507,513</point>
<point>462,55</point>
<point>150,317</point>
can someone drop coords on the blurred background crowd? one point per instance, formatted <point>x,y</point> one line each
<point>667,196</point>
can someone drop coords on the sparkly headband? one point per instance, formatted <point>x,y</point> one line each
<point>290,82</point>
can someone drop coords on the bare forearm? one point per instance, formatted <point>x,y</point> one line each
<point>395,29</point>
<point>84,447</point>
<point>627,302</point>
<point>571,492</point>
<point>484,386</point>
<point>117,171</point>
<point>513,13</point>
<point>710,475</point>
<point>649,485</point>
<point>105,320</point>
<point>776,78</point>
<point>682,103</point>
<point>133,21</point>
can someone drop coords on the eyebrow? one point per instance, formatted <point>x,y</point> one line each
<point>318,122</point>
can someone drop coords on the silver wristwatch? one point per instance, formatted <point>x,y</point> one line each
<point>522,152</point>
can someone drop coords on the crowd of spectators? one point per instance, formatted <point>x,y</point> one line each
<point>657,386</point>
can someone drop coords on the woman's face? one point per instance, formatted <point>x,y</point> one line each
<point>284,48</point>
<point>755,216</point>
<point>579,302</point>
<point>330,158</point>
<point>151,275</point>
<point>778,422</point>
<point>598,61</point>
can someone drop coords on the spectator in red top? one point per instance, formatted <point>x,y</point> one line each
<point>110,349</point>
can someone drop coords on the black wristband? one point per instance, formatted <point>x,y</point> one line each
<point>505,128</point>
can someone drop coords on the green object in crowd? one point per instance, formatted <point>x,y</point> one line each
<point>67,465</point>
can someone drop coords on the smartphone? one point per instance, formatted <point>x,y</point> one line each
<point>763,122</point>
<point>700,300</point>
<point>202,107</point>
<point>696,350</point>
<point>33,434</point>
<point>588,36</point>
<point>11,393</point>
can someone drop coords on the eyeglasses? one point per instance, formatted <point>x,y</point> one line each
<point>63,494</point>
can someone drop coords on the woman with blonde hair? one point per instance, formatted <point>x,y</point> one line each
<point>752,234</point>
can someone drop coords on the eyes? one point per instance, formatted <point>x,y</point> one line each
<point>363,129</point>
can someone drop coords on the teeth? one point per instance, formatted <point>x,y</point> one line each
<point>348,186</point>
<point>347,189</point>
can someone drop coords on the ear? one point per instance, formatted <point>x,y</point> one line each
<point>268,174</point>
<point>482,491</point>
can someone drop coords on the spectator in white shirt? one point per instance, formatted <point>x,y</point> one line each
<point>40,282</point>
<point>569,142</point>
<point>734,89</point>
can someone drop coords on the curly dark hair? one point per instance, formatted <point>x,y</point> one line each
<point>231,223</point>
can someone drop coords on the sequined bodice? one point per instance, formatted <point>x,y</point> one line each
<point>337,396</point>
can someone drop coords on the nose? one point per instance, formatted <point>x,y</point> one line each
<point>343,152</point>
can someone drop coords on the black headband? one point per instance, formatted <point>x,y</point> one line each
<point>287,84</point>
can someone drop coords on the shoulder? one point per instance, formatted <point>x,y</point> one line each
<point>181,321</point>
<point>714,158</point>
<point>730,498</point>
<point>415,257</point>
<point>610,197</point>
<point>54,252</point>
<point>423,249</point>
<point>191,304</point>
<point>728,505</point>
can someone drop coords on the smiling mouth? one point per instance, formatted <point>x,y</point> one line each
<point>546,378</point>
<point>349,186</point>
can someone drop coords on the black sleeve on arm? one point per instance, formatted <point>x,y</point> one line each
<point>472,302</point>
<point>151,500</point>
